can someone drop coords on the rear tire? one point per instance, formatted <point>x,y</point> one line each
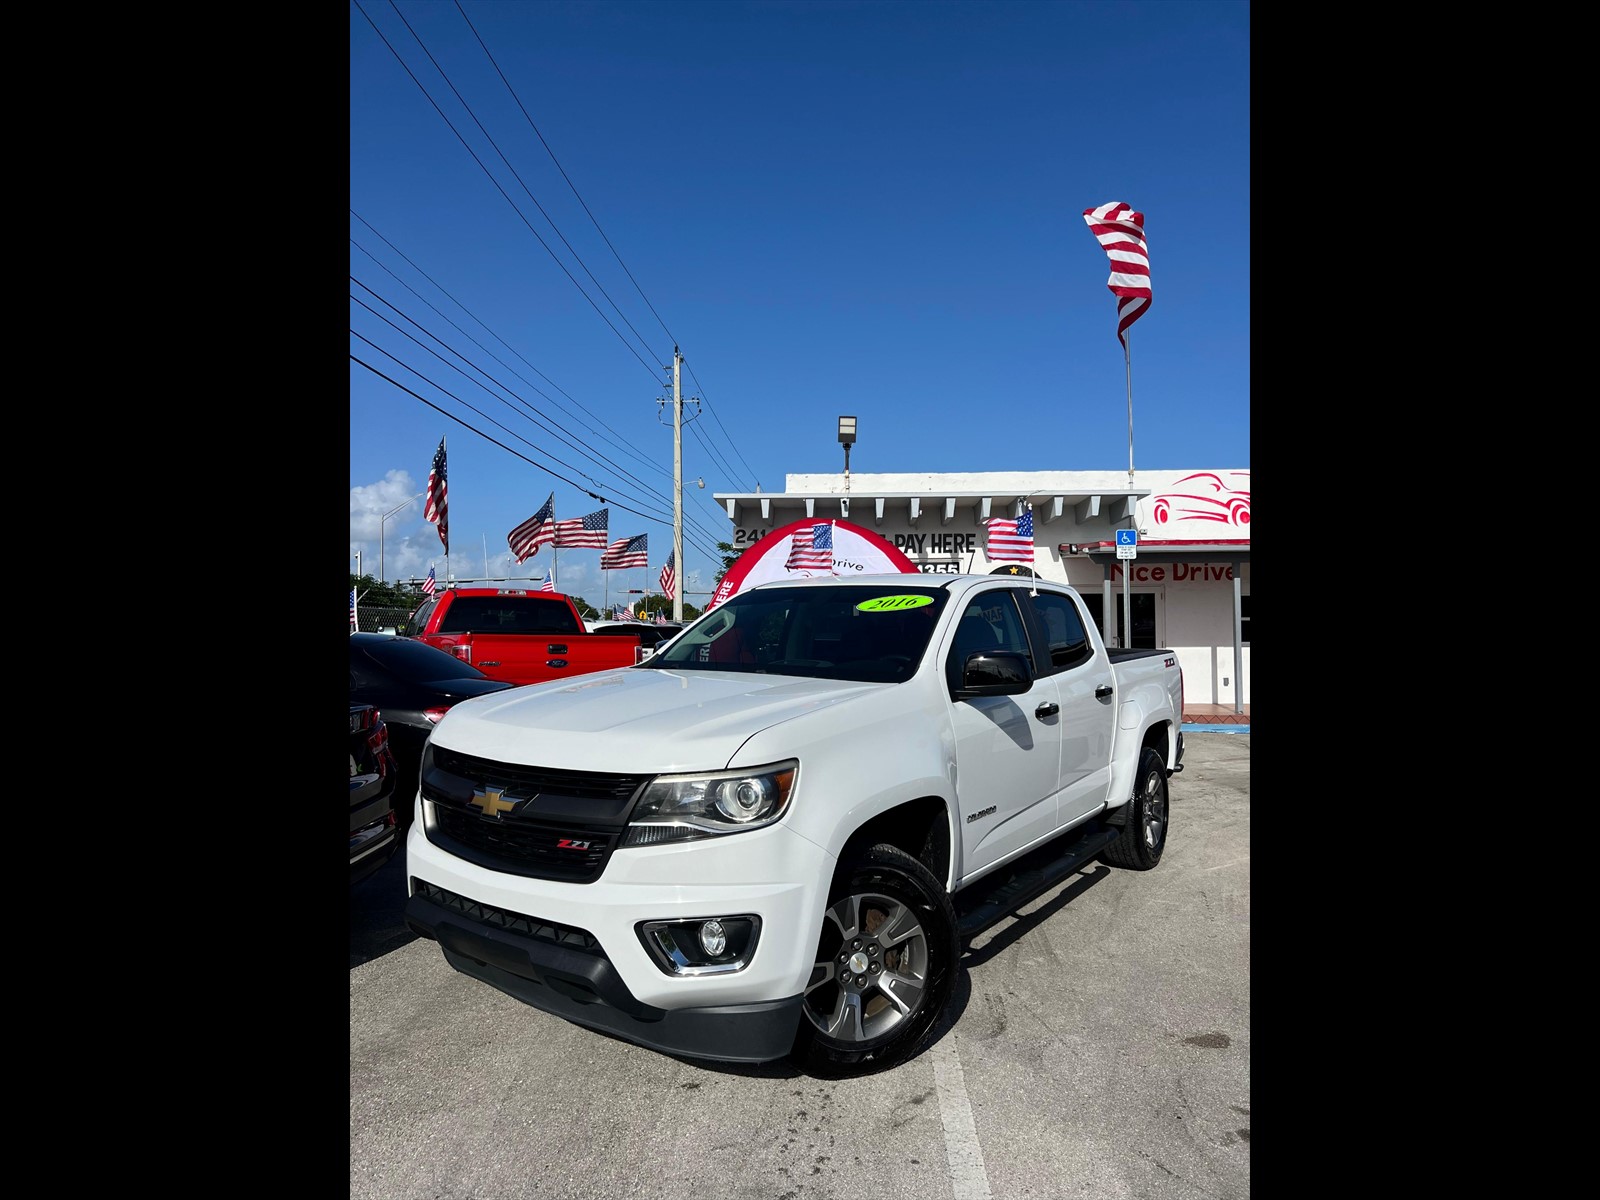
<point>887,955</point>
<point>1144,836</point>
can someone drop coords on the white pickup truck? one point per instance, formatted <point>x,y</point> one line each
<point>754,844</point>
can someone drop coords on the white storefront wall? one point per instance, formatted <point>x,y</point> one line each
<point>1191,524</point>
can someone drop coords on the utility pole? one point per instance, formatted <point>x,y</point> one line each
<point>677,486</point>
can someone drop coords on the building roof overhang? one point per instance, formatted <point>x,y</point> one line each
<point>750,509</point>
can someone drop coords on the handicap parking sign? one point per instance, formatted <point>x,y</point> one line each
<point>1127,543</point>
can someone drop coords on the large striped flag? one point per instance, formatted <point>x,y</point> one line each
<point>669,577</point>
<point>811,547</point>
<point>436,508</point>
<point>583,531</point>
<point>1120,231</point>
<point>538,530</point>
<point>1010,541</point>
<point>627,552</point>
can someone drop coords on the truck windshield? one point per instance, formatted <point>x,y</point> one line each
<point>873,633</point>
<point>508,614</point>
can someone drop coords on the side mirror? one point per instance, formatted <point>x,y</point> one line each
<point>995,673</point>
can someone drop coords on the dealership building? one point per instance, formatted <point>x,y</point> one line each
<point>1186,584</point>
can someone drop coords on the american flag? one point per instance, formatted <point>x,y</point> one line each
<point>354,624</point>
<point>627,552</point>
<point>1011,541</point>
<point>584,531</point>
<point>812,547</point>
<point>538,530</point>
<point>1121,231</point>
<point>435,509</point>
<point>429,583</point>
<point>549,584</point>
<point>661,617</point>
<point>669,577</point>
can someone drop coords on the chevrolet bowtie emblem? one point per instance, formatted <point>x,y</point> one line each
<point>491,801</point>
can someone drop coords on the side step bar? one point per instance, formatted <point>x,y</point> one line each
<point>1022,887</point>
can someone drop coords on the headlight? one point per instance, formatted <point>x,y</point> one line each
<point>680,807</point>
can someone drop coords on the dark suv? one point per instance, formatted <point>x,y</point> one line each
<point>374,836</point>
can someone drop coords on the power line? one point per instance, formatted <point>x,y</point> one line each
<point>720,514</point>
<point>481,165</point>
<point>564,175</point>
<point>592,218</point>
<point>557,432</point>
<point>518,177</point>
<point>494,441</point>
<point>503,192</point>
<point>718,419</point>
<point>620,445</point>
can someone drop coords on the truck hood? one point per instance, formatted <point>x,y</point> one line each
<point>636,720</point>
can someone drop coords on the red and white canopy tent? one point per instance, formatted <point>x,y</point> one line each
<point>856,551</point>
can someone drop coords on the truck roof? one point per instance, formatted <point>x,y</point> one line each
<point>952,583</point>
<point>489,591</point>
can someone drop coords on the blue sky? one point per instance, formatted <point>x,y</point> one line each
<point>871,209</point>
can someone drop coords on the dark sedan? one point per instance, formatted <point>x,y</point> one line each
<point>374,834</point>
<point>412,684</point>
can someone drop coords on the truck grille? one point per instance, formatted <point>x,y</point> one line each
<point>486,772</point>
<point>537,849</point>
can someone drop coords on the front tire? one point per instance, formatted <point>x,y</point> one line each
<point>1144,835</point>
<point>887,956</point>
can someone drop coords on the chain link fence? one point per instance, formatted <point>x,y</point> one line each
<point>380,616</point>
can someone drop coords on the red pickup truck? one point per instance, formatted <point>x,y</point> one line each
<point>517,635</point>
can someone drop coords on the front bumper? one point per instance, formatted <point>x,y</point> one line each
<point>372,846</point>
<point>573,950</point>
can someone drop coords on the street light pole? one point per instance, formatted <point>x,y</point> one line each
<point>847,437</point>
<point>381,575</point>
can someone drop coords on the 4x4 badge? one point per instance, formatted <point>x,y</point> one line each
<point>491,801</point>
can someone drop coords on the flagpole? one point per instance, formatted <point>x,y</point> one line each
<point>1127,358</point>
<point>1127,597</point>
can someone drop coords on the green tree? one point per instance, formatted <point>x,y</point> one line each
<point>377,593</point>
<point>729,557</point>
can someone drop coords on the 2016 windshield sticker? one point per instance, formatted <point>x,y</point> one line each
<point>893,603</point>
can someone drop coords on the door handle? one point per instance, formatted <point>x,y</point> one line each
<point>1047,709</point>
<point>1101,692</point>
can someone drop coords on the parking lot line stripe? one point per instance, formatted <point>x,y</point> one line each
<point>968,1179</point>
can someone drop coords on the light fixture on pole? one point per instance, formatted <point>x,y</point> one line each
<point>847,437</point>
<point>381,521</point>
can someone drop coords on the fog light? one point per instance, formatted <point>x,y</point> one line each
<point>702,946</point>
<point>712,939</point>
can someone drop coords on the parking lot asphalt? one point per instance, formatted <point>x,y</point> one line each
<point>1097,1045</point>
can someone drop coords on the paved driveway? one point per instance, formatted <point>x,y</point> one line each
<point>1098,1046</point>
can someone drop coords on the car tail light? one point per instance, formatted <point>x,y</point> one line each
<point>464,653</point>
<point>434,714</point>
<point>378,738</point>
